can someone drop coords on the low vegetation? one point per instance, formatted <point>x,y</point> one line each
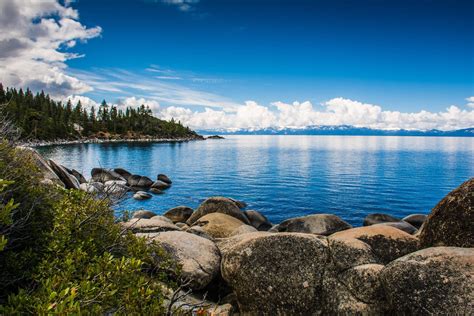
<point>62,252</point>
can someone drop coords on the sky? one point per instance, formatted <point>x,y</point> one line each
<point>388,64</point>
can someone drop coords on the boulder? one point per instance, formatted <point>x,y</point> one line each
<point>92,187</point>
<point>143,214</point>
<point>179,213</point>
<point>142,195</point>
<point>156,191</point>
<point>226,244</point>
<point>346,253</point>
<point>276,274</point>
<point>404,226</point>
<point>152,225</point>
<point>240,204</point>
<point>199,257</point>
<point>44,167</point>
<point>161,217</point>
<point>164,178</point>
<point>432,281</point>
<point>111,183</point>
<point>320,224</point>
<point>115,188</point>
<point>415,219</point>
<point>140,181</point>
<point>218,225</point>
<point>182,226</point>
<point>450,223</point>
<point>198,231</point>
<point>356,291</point>
<point>124,173</point>
<point>378,218</point>
<point>160,185</point>
<point>103,175</point>
<point>387,243</point>
<point>69,180</point>
<point>218,205</point>
<point>243,229</point>
<point>258,220</point>
<point>78,176</point>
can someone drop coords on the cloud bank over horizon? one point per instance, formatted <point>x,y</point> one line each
<point>41,34</point>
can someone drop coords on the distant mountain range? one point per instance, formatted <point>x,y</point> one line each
<point>340,130</point>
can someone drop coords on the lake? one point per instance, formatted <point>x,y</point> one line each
<point>289,176</point>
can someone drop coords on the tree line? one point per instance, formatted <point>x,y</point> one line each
<point>39,117</point>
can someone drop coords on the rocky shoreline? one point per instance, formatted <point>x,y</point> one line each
<point>235,261</point>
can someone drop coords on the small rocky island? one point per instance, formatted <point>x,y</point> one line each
<point>234,260</point>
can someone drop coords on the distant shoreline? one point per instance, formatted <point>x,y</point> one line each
<point>106,141</point>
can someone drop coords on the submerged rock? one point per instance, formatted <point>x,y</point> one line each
<point>378,218</point>
<point>450,223</point>
<point>218,205</point>
<point>156,191</point>
<point>432,281</point>
<point>321,224</point>
<point>179,213</point>
<point>258,220</point>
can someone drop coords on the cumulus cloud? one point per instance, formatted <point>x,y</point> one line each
<point>86,102</point>
<point>470,102</point>
<point>337,111</point>
<point>34,43</point>
<point>136,102</point>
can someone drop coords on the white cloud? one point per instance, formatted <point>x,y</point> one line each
<point>86,102</point>
<point>470,102</point>
<point>337,111</point>
<point>183,5</point>
<point>136,102</point>
<point>33,45</point>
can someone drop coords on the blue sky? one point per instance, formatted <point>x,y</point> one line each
<point>183,56</point>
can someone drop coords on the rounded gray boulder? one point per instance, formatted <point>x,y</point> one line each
<point>320,224</point>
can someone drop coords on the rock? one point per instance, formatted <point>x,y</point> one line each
<point>152,225</point>
<point>357,291</point>
<point>142,195</point>
<point>164,178</point>
<point>415,219</point>
<point>404,226</point>
<point>78,176</point>
<point>179,213</point>
<point>432,281</point>
<point>103,175</point>
<point>160,185</point>
<point>218,205</point>
<point>226,244</point>
<point>69,180</point>
<point>156,191</point>
<point>377,218</point>
<point>161,217</point>
<point>122,172</point>
<point>115,188</point>
<point>387,243</point>
<point>243,229</point>
<point>94,187</point>
<point>277,274</point>
<point>139,181</point>
<point>218,225</point>
<point>198,257</point>
<point>43,166</point>
<point>215,137</point>
<point>182,226</point>
<point>450,223</point>
<point>111,183</point>
<point>321,224</point>
<point>240,204</point>
<point>143,214</point>
<point>346,253</point>
<point>258,220</point>
<point>198,231</point>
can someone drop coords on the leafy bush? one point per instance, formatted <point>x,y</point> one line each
<point>65,253</point>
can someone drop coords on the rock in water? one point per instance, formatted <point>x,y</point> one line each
<point>218,205</point>
<point>139,181</point>
<point>69,180</point>
<point>78,176</point>
<point>432,281</point>
<point>415,219</point>
<point>258,220</point>
<point>321,224</point>
<point>450,223</point>
<point>124,173</point>
<point>143,214</point>
<point>164,178</point>
<point>218,225</point>
<point>44,167</point>
<point>404,226</point>
<point>142,195</point>
<point>160,185</point>
<point>377,218</point>
<point>103,175</point>
<point>156,191</point>
<point>276,274</point>
<point>198,256</point>
<point>387,243</point>
<point>179,214</point>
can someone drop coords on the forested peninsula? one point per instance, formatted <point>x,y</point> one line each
<point>40,118</point>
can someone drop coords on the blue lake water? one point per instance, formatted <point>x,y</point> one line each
<point>288,176</point>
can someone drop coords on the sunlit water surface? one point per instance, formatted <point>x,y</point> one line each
<point>288,176</point>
